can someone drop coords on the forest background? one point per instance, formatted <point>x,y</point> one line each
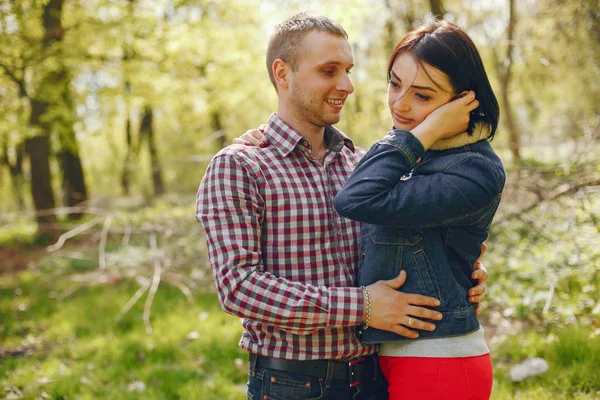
<point>111,110</point>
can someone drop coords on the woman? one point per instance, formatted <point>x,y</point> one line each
<point>426,202</point>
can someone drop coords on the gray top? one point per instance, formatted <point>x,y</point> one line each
<point>469,345</point>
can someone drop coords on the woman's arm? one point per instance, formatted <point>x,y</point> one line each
<point>382,191</point>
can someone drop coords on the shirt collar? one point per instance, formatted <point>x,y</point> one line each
<point>285,139</point>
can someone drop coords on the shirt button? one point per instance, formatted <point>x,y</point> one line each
<point>305,142</point>
<point>362,255</point>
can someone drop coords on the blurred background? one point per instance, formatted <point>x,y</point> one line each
<point>111,110</point>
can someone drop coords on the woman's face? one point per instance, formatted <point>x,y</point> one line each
<point>412,93</point>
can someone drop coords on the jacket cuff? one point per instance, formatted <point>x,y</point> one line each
<point>406,142</point>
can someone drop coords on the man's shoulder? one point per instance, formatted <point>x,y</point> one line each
<point>240,154</point>
<point>353,156</point>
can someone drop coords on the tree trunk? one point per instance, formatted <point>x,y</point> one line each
<point>391,33</point>
<point>126,171</point>
<point>73,183</point>
<point>217,126</point>
<point>17,178</point>
<point>16,174</point>
<point>74,187</point>
<point>38,150</point>
<point>147,130</point>
<point>513,132</point>
<point>437,8</point>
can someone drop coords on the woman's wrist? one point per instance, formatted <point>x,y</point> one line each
<point>425,134</point>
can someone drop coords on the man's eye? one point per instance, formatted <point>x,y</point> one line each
<point>328,71</point>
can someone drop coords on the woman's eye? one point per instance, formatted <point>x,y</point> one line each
<point>422,97</point>
<point>395,84</point>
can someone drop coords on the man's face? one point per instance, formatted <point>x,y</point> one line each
<point>320,84</point>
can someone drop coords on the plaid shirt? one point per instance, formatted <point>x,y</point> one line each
<point>282,258</point>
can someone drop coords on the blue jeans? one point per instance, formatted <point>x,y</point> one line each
<point>270,384</point>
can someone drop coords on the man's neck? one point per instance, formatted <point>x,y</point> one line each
<point>314,134</point>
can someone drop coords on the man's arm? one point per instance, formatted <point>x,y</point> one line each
<point>231,208</point>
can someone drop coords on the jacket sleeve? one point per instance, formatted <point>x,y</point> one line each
<point>378,191</point>
<point>231,209</point>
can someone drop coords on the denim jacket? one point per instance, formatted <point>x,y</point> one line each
<point>428,218</point>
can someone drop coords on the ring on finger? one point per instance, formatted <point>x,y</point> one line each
<point>409,321</point>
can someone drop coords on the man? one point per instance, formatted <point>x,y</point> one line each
<point>282,258</point>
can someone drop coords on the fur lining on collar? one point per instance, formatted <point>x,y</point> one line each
<point>480,132</point>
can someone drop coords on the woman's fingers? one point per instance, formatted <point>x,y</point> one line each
<point>252,137</point>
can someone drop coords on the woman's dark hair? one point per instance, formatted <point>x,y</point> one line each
<point>448,48</point>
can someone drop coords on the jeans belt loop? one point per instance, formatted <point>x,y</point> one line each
<point>252,359</point>
<point>329,374</point>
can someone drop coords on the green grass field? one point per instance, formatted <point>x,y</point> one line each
<point>57,345</point>
<point>62,337</point>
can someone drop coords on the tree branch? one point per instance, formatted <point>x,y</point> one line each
<point>19,82</point>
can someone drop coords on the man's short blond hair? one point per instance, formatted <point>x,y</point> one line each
<point>286,41</point>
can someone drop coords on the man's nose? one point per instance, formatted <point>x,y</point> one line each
<point>345,84</point>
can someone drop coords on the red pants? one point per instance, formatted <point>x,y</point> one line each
<point>420,378</point>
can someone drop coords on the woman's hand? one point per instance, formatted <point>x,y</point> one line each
<point>447,120</point>
<point>253,137</point>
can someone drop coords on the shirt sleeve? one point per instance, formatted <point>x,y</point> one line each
<point>383,191</point>
<point>231,208</point>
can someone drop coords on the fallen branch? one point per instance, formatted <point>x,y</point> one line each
<point>182,287</point>
<point>102,244</point>
<point>133,300</point>
<point>72,233</point>
<point>155,283</point>
<point>560,191</point>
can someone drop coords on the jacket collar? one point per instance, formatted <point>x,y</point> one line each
<point>480,132</point>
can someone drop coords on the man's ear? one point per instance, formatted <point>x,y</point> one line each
<point>280,73</point>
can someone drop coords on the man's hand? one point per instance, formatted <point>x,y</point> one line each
<point>253,137</point>
<point>400,312</point>
<point>477,294</point>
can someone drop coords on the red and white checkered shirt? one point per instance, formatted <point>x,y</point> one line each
<point>282,258</point>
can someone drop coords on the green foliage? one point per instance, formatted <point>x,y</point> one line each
<point>200,66</point>
<point>73,346</point>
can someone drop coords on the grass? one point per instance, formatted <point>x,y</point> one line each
<point>573,355</point>
<point>60,337</point>
<point>75,348</point>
